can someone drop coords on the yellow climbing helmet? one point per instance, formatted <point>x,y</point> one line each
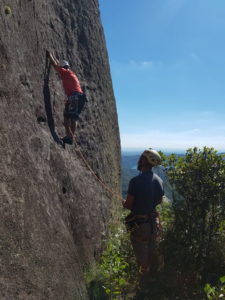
<point>152,156</point>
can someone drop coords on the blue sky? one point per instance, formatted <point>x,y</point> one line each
<point>167,60</point>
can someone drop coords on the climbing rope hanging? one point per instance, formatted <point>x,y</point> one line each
<point>106,187</point>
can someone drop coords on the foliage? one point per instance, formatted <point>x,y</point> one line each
<point>117,262</point>
<point>197,238</point>
<point>116,270</point>
<point>216,293</point>
<point>193,240</point>
<point>166,215</point>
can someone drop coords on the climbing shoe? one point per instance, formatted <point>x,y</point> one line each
<point>67,140</point>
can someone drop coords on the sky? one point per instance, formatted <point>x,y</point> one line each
<point>167,60</point>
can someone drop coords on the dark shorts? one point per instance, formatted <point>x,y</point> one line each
<point>74,106</point>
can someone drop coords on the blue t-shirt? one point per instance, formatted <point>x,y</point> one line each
<point>147,189</point>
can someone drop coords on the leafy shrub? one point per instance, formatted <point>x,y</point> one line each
<point>116,270</point>
<point>118,262</point>
<point>195,246</point>
<point>216,293</point>
<point>193,239</point>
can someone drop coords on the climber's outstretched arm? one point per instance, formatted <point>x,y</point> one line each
<point>53,59</point>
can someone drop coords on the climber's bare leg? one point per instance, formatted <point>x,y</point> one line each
<point>67,124</point>
<point>73,126</point>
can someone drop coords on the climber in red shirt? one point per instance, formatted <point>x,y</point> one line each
<point>75,101</point>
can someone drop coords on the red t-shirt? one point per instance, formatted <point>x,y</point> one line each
<point>70,81</point>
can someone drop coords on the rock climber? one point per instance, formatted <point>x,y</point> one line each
<point>76,97</point>
<point>145,192</point>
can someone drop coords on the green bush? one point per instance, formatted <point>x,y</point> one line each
<point>193,239</point>
<point>118,263</point>
<point>116,269</point>
<point>195,246</point>
<point>216,293</point>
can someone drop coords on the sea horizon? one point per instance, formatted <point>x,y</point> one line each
<point>137,151</point>
<point>128,152</point>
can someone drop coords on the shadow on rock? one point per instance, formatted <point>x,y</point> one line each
<point>47,102</point>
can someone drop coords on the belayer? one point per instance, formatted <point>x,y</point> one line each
<point>145,192</point>
<point>76,98</point>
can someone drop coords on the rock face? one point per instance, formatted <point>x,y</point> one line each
<point>53,209</point>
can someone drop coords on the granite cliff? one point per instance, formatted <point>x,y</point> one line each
<point>53,210</point>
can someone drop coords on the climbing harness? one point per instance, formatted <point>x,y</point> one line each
<point>133,221</point>
<point>75,105</point>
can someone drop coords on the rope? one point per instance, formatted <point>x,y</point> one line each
<point>106,187</point>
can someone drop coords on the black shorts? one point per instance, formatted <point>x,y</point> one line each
<point>74,106</point>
